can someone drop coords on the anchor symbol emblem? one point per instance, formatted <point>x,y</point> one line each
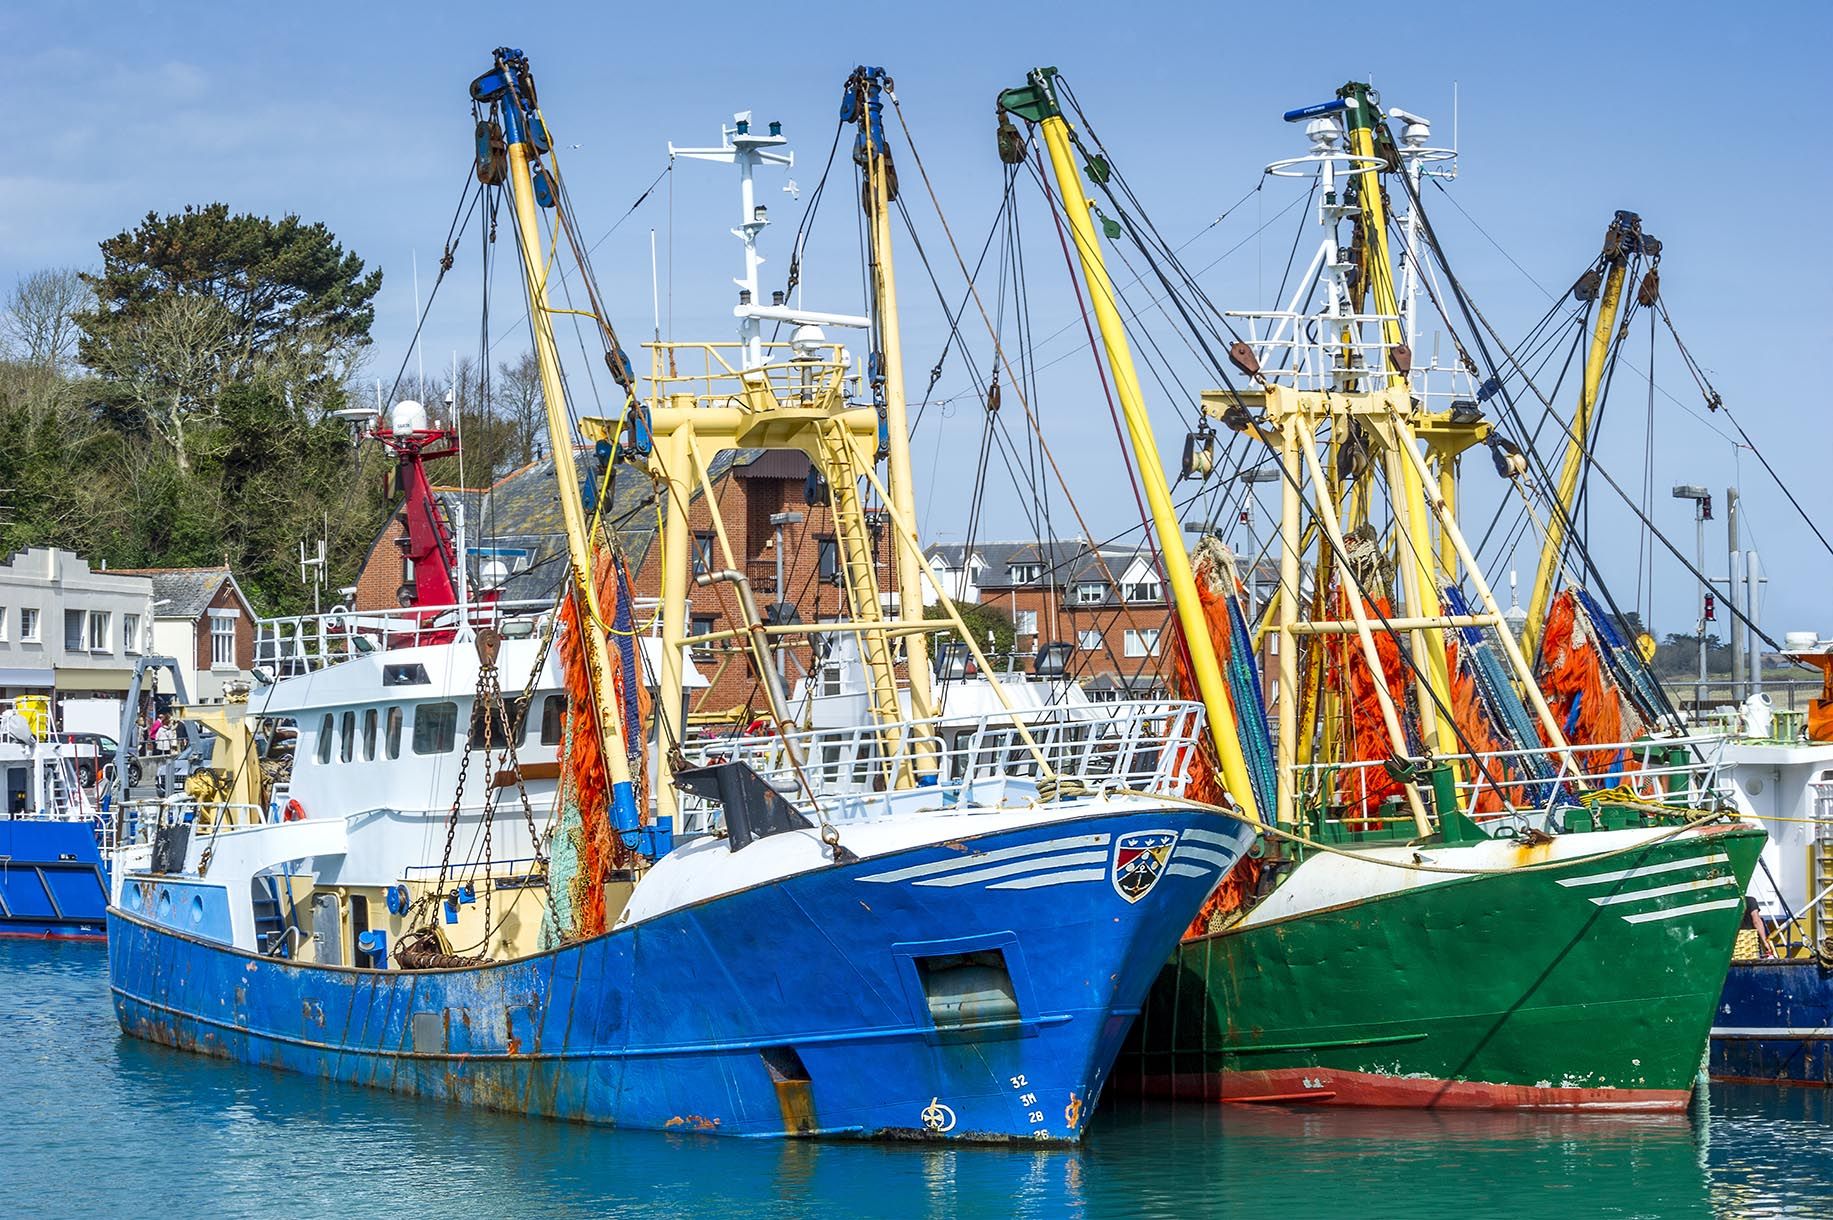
<point>938,1117</point>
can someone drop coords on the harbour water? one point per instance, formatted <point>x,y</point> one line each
<point>105,1125</point>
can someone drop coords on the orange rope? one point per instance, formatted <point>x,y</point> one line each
<point>1571,673</point>
<point>584,779</point>
<point>1205,783</point>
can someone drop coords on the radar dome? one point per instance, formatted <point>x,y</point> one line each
<point>408,416</point>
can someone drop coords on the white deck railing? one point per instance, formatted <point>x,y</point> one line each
<point>306,642</point>
<point>1139,745</point>
<point>1694,783</point>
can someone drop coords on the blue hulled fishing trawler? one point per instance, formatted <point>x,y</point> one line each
<point>502,870</point>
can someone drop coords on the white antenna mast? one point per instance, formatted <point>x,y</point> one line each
<point>655,288</point>
<point>741,146</point>
<point>418,354</point>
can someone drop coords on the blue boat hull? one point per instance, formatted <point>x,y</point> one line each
<point>793,1008</point>
<point>1774,1024</point>
<point>51,880</point>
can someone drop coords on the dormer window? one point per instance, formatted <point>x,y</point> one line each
<point>1090,593</point>
<point>1144,591</point>
<point>1024,573</point>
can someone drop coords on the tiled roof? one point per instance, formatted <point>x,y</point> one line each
<point>521,511</point>
<point>181,592</point>
<point>1064,560</point>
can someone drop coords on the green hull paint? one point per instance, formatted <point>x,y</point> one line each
<point>1498,990</point>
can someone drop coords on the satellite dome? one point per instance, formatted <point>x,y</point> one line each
<point>408,416</point>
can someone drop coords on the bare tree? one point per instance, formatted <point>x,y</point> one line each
<point>169,360</point>
<point>39,323</point>
<point>517,398</point>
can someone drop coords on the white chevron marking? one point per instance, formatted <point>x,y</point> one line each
<point>1647,870</point>
<point>1042,879</point>
<point>1210,836</point>
<point>1718,904</point>
<point>1209,857</point>
<point>1058,860</point>
<point>976,859</point>
<point>1661,891</point>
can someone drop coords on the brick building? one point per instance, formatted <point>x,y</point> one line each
<point>514,542</point>
<point>1106,602</point>
<point>202,620</point>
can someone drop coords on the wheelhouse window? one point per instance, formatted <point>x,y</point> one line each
<point>346,739</point>
<point>487,731</point>
<point>435,727</point>
<point>326,731</point>
<point>369,734</point>
<point>553,719</point>
<point>393,739</point>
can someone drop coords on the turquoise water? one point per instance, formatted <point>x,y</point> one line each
<point>97,1123</point>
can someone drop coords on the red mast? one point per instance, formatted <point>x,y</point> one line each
<point>413,441</point>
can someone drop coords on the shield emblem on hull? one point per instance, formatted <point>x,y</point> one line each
<point>1139,861</point>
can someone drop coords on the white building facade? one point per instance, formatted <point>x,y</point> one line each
<point>68,629</point>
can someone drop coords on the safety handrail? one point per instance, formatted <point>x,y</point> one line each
<point>1141,745</point>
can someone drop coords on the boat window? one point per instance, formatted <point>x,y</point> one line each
<point>435,727</point>
<point>553,715</point>
<point>405,675</point>
<point>487,726</point>
<point>394,732</point>
<point>346,746</point>
<point>325,732</point>
<point>369,734</point>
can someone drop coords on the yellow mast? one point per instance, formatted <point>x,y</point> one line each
<point>1036,101</point>
<point>1620,241</point>
<point>519,117</point>
<point>1414,557</point>
<point>864,87</point>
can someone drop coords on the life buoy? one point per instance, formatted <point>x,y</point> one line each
<point>294,812</point>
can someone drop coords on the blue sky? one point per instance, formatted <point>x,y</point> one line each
<point>1694,115</point>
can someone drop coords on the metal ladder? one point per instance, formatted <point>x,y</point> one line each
<point>855,557</point>
<point>1820,861</point>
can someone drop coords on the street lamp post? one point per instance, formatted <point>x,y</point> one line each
<point>1251,476</point>
<point>1702,513</point>
<point>778,521</point>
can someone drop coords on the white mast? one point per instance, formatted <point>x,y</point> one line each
<point>741,146</point>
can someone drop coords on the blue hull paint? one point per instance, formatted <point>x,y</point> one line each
<point>676,1023</point>
<point>51,880</point>
<point>1775,1024</point>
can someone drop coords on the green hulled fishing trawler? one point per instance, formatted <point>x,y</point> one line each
<point>1452,905</point>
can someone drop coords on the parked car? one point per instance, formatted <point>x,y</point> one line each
<point>95,751</point>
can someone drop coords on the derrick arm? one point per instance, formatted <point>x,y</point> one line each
<point>1036,101</point>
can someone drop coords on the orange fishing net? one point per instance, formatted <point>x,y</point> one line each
<point>1205,783</point>
<point>1361,790</point>
<point>584,778</point>
<point>1571,673</point>
<point>1478,735</point>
